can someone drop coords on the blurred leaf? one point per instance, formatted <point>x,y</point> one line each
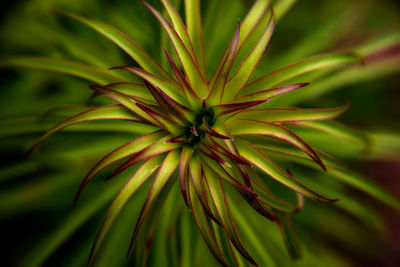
<point>125,43</point>
<point>62,65</point>
<point>140,176</point>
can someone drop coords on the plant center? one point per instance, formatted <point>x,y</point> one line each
<point>193,133</point>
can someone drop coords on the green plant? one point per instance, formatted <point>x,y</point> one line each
<point>214,134</point>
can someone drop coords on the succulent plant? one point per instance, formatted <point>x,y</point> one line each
<point>214,134</point>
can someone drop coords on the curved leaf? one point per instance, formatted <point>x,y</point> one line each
<point>73,68</point>
<point>112,112</point>
<point>121,152</point>
<point>289,238</point>
<point>220,77</point>
<point>283,115</point>
<point>270,93</point>
<point>337,129</point>
<point>222,207</point>
<point>137,90</point>
<point>167,168</point>
<point>196,175</point>
<point>140,109</point>
<point>158,147</point>
<point>204,226</point>
<point>260,160</point>
<point>140,176</point>
<point>307,65</point>
<point>125,43</point>
<point>186,155</point>
<point>189,64</point>
<point>170,88</point>
<point>179,27</point>
<point>251,20</point>
<point>249,127</point>
<point>240,78</point>
<point>195,31</point>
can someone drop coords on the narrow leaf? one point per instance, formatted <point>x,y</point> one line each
<point>247,67</point>
<point>204,226</point>
<point>195,31</point>
<point>283,115</point>
<point>112,112</point>
<point>186,155</point>
<point>167,168</point>
<point>124,100</point>
<point>189,64</point>
<point>337,129</point>
<point>249,127</point>
<point>179,27</point>
<point>196,176</point>
<point>220,77</point>
<point>261,161</point>
<point>184,85</point>
<point>304,66</point>
<point>252,18</point>
<point>73,68</point>
<point>170,88</point>
<point>158,147</point>
<point>270,93</point>
<point>230,108</point>
<point>125,43</point>
<point>219,199</point>
<point>121,152</point>
<point>140,176</point>
<point>289,238</point>
<point>137,90</point>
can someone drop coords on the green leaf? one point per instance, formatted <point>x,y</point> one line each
<point>140,176</point>
<point>195,31</point>
<point>220,77</point>
<point>189,64</point>
<point>125,43</point>
<point>276,131</point>
<point>304,66</point>
<point>73,68</point>
<point>186,155</point>
<point>136,90</point>
<point>204,226</point>
<point>179,27</point>
<point>261,161</point>
<point>267,198</point>
<point>190,95</point>
<point>366,185</point>
<point>158,147</point>
<point>196,174</point>
<point>119,153</point>
<point>167,168</point>
<point>240,78</point>
<point>341,79</point>
<point>222,172</point>
<point>112,112</point>
<point>290,114</point>
<point>68,227</point>
<point>168,87</point>
<point>139,109</point>
<point>337,129</point>
<point>298,156</point>
<point>269,93</point>
<point>252,18</point>
<point>222,206</point>
<point>256,240</point>
<point>281,7</point>
<point>289,238</point>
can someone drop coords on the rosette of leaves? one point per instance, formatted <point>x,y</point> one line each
<point>211,132</point>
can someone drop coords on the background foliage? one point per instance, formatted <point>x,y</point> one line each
<point>38,223</point>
